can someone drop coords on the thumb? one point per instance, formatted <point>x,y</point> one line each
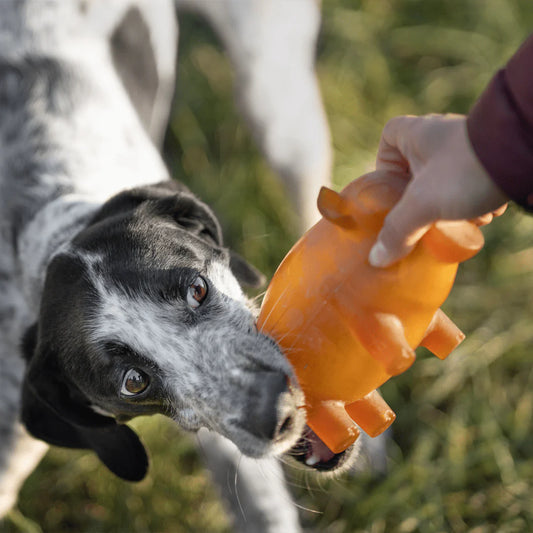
<point>404,226</point>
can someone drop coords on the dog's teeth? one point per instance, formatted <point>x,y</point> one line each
<point>312,460</point>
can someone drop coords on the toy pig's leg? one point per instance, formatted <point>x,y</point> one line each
<point>371,414</point>
<point>442,335</point>
<point>329,420</point>
<point>382,335</point>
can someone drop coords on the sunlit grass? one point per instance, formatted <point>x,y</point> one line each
<point>461,453</point>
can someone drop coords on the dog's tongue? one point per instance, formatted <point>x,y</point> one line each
<point>318,452</point>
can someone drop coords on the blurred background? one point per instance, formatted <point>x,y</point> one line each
<point>460,455</point>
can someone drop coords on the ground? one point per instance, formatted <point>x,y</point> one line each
<point>460,453</point>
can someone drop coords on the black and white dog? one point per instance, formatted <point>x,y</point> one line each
<point>117,297</point>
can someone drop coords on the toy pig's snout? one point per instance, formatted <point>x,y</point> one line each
<point>453,241</point>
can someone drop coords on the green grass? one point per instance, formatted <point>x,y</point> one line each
<point>461,454</point>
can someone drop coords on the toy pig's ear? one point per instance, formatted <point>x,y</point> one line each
<point>335,208</point>
<point>453,241</point>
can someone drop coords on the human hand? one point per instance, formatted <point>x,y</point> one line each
<point>446,181</point>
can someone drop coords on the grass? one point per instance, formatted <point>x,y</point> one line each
<point>460,457</point>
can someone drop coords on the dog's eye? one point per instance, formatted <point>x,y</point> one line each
<point>135,381</point>
<point>196,292</point>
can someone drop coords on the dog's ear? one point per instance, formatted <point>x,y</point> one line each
<point>191,214</point>
<point>117,446</point>
<point>245,273</point>
<point>130,199</point>
<point>170,199</point>
<point>54,411</point>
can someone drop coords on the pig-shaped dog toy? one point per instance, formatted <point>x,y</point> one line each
<point>346,326</point>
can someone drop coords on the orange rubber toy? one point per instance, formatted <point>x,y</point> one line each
<point>346,326</point>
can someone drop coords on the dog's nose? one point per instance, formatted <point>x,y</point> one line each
<point>272,409</point>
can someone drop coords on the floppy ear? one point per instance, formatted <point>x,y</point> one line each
<point>171,199</point>
<point>245,273</point>
<point>132,198</point>
<point>54,411</point>
<point>191,214</point>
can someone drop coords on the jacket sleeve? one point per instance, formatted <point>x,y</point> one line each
<point>500,127</point>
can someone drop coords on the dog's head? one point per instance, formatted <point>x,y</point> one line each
<point>144,314</point>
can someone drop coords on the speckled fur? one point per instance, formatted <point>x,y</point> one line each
<point>79,123</point>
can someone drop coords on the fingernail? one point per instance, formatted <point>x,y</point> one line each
<point>378,256</point>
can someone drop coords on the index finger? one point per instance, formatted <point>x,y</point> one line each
<point>392,144</point>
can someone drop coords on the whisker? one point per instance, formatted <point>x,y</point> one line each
<point>273,308</point>
<point>279,476</point>
<point>308,509</point>
<point>258,297</point>
<point>236,487</point>
<point>286,334</point>
<point>307,482</point>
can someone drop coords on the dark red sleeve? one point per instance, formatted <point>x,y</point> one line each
<point>500,127</point>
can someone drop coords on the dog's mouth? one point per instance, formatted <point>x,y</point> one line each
<point>312,452</point>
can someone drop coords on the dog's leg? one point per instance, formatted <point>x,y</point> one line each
<point>21,456</point>
<point>271,44</point>
<point>253,489</point>
<point>19,453</point>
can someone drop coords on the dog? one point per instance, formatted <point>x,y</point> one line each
<point>118,297</point>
